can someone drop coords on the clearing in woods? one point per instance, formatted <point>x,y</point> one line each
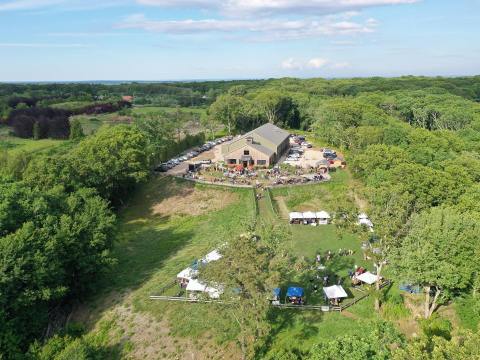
<point>170,222</point>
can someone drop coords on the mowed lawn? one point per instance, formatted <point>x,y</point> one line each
<point>308,241</point>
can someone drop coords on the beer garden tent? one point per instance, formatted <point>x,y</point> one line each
<point>296,216</point>
<point>367,278</point>
<point>335,292</point>
<point>296,292</point>
<point>323,217</point>
<point>309,216</point>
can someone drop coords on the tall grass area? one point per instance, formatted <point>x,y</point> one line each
<point>13,145</point>
<point>468,312</point>
<point>151,249</point>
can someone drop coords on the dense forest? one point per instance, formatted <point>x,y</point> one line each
<point>412,142</point>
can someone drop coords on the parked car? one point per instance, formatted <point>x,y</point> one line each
<point>162,167</point>
<point>329,155</point>
<point>205,161</point>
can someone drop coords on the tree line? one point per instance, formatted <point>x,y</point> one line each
<point>57,223</point>
<point>47,122</point>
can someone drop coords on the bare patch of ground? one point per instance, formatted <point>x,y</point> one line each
<point>409,327</point>
<point>192,201</point>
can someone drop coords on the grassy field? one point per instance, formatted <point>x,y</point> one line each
<point>90,123</point>
<point>13,144</point>
<point>165,227</point>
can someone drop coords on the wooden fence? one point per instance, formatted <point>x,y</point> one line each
<point>324,308</point>
<point>184,299</point>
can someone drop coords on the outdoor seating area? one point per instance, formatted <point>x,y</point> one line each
<point>188,280</point>
<point>310,218</point>
<point>295,295</point>
<point>335,294</point>
<point>362,276</point>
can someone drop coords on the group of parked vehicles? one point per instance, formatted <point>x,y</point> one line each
<point>191,154</point>
<point>297,149</point>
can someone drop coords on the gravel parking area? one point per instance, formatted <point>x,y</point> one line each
<point>214,154</point>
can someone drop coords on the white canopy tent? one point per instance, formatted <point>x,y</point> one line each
<point>212,256</point>
<point>335,292</point>
<point>187,273</point>
<point>196,285</point>
<point>309,215</point>
<point>368,278</point>
<point>323,217</point>
<point>296,216</point>
<point>364,220</point>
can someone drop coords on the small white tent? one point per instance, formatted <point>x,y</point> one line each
<point>323,217</point>
<point>309,215</point>
<point>295,217</point>
<point>187,274</point>
<point>212,256</point>
<point>364,220</point>
<point>368,278</point>
<point>335,292</point>
<point>198,286</point>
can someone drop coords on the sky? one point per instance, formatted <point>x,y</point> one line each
<point>84,40</point>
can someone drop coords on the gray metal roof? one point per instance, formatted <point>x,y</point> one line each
<point>262,149</point>
<point>270,132</point>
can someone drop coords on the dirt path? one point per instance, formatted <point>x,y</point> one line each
<point>282,207</point>
<point>264,207</point>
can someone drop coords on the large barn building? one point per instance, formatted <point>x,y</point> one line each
<point>260,147</point>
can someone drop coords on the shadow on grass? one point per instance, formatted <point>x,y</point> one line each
<point>145,252</point>
<point>287,320</point>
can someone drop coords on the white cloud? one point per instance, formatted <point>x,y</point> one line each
<point>290,64</point>
<point>256,7</point>
<point>312,64</point>
<point>59,5</point>
<point>340,65</point>
<point>317,63</point>
<point>42,45</point>
<point>28,4</point>
<point>263,29</point>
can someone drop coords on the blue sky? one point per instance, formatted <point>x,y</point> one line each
<point>63,40</point>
